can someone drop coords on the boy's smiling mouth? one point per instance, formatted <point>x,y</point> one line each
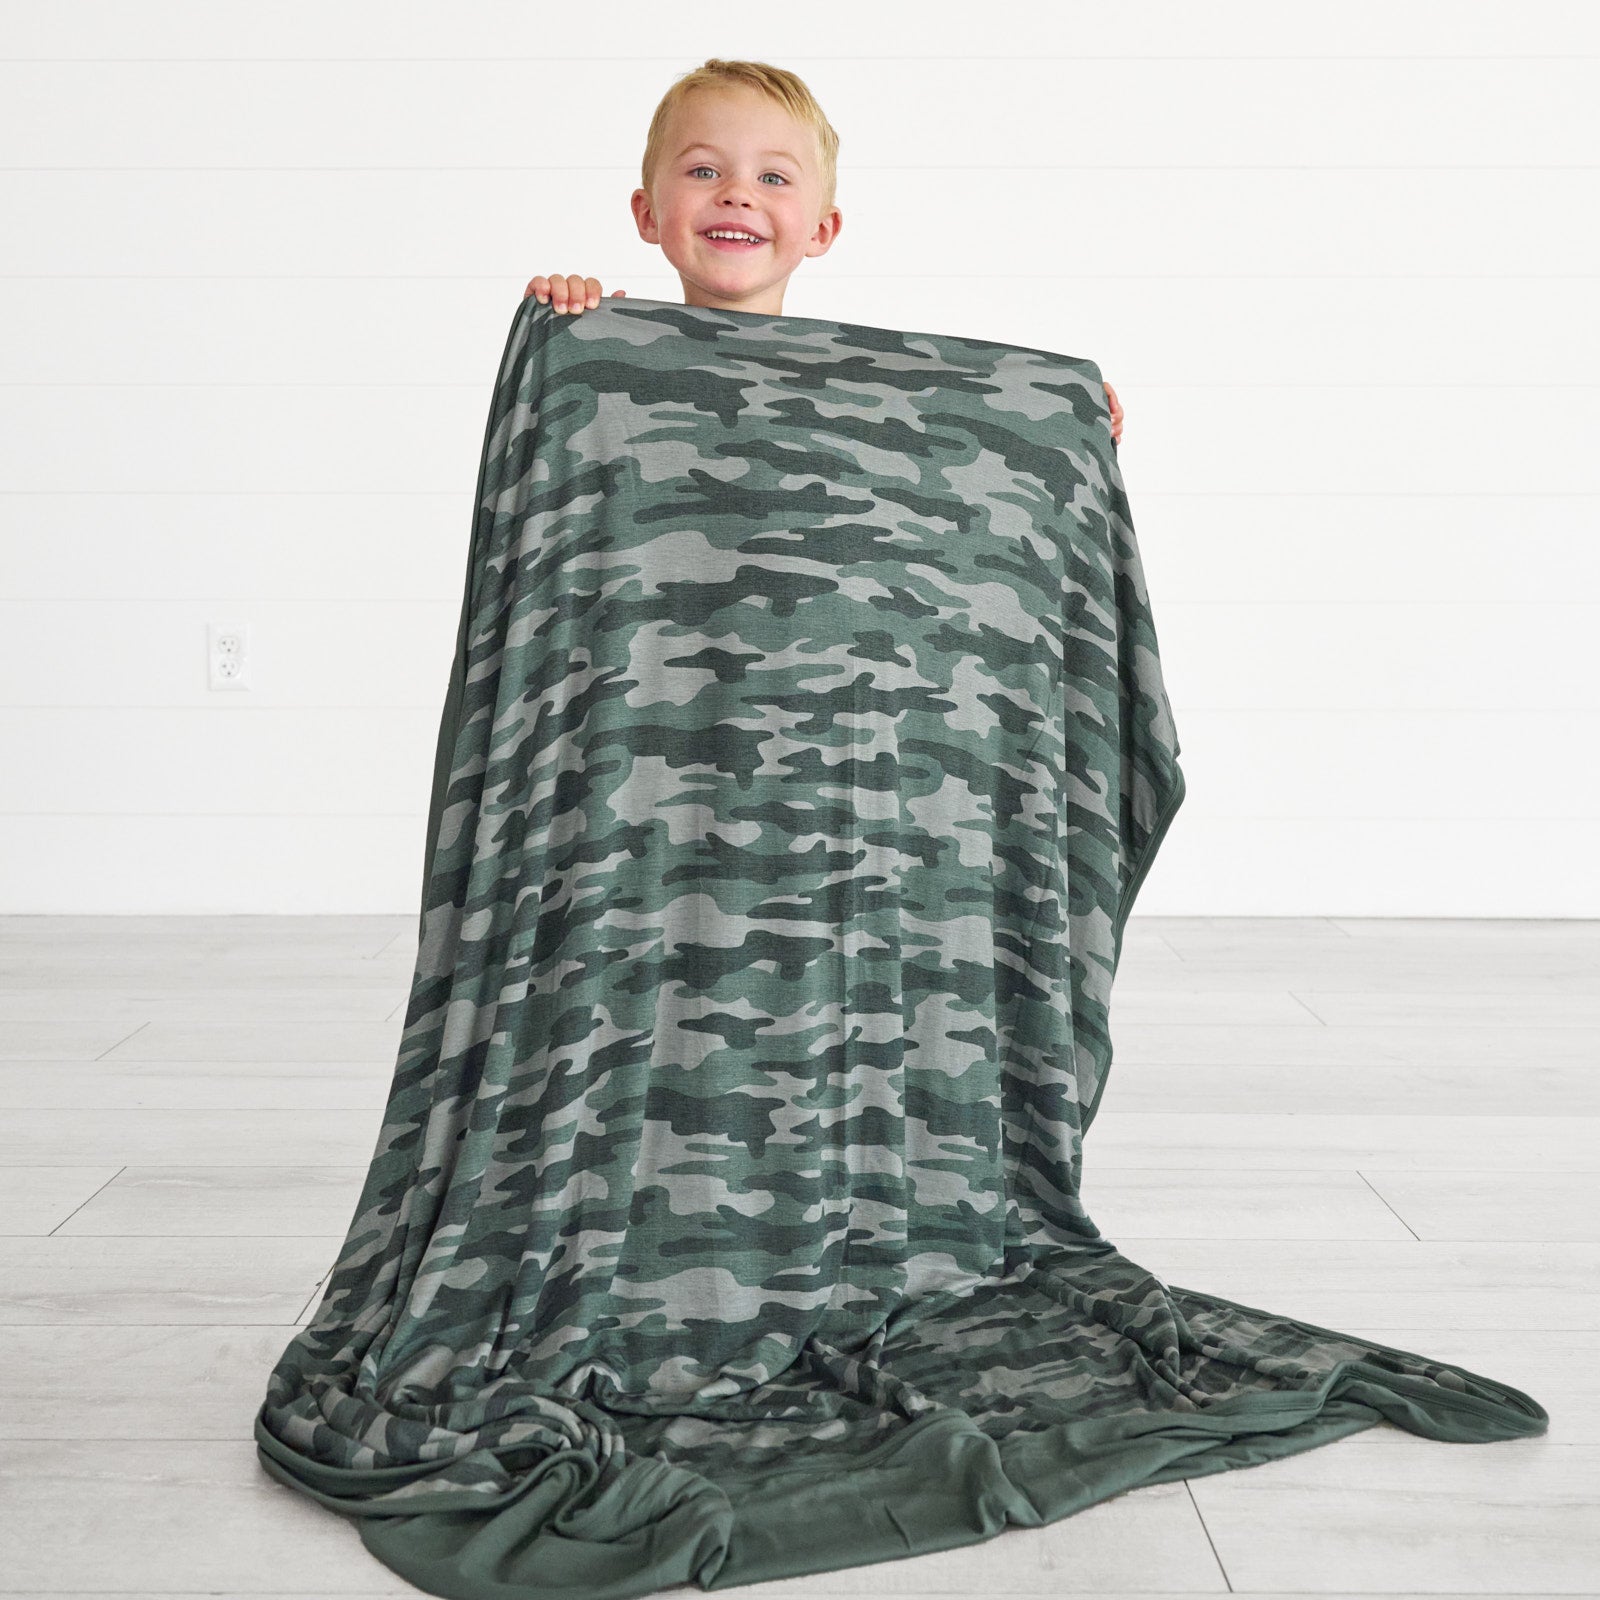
<point>732,238</point>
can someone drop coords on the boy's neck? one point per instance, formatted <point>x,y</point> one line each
<point>768,301</point>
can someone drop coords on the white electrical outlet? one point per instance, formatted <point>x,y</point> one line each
<point>228,655</point>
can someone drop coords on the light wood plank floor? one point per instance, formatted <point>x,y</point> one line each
<point>1386,1127</point>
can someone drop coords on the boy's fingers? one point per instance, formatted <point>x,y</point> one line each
<point>571,292</point>
<point>574,293</point>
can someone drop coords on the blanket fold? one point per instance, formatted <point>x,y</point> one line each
<point>804,751</point>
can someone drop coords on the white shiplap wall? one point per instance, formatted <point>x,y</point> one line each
<point>260,262</point>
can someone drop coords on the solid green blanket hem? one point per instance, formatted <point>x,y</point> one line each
<point>940,1484</point>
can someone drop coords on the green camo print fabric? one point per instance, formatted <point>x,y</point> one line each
<point>804,750</point>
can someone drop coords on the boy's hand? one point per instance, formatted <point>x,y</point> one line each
<point>1116,411</point>
<point>569,293</point>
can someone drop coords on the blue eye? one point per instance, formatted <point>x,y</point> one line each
<point>696,171</point>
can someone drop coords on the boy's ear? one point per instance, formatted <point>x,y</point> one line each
<point>644,216</point>
<point>827,230</point>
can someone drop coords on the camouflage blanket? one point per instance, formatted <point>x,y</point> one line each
<point>805,748</point>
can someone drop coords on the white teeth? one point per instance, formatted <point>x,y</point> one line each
<point>725,233</point>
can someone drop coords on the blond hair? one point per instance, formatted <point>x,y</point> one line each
<point>777,84</point>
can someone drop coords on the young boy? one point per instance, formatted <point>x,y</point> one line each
<point>738,189</point>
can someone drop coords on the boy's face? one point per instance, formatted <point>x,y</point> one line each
<point>735,160</point>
